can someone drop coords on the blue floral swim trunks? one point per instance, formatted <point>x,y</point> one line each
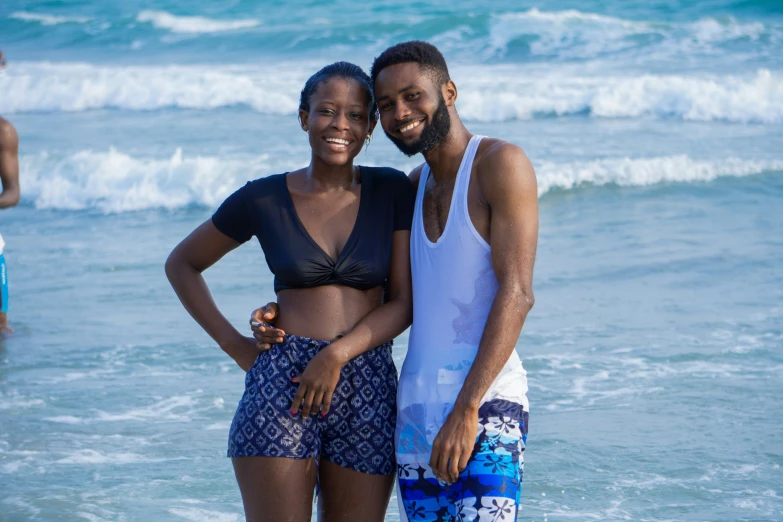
<point>358,431</point>
<point>488,489</point>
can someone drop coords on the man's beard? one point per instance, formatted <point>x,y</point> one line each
<point>432,134</point>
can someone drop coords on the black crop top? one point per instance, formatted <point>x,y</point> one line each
<point>264,208</point>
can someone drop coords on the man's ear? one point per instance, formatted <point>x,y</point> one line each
<point>304,117</point>
<point>449,91</point>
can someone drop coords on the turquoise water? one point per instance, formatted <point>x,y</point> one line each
<point>654,350</point>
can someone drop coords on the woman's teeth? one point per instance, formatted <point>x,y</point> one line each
<point>338,141</point>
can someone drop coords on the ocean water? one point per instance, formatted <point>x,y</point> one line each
<point>654,352</point>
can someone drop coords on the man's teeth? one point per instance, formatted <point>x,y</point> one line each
<point>338,141</point>
<point>411,126</point>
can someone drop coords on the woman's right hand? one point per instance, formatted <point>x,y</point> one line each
<point>244,351</point>
<point>262,322</point>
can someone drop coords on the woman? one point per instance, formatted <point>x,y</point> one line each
<point>319,407</point>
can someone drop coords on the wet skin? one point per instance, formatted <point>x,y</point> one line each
<point>503,207</point>
<point>326,197</point>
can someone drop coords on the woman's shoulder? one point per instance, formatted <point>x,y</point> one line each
<point>263,186</point>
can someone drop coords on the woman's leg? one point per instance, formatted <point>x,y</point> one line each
<point>350,496</point>
<point>276,489</point>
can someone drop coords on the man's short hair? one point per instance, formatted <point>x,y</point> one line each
<point>425,54</point>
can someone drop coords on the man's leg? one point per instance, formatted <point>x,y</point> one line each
<point>489,488</point>
<point>4,296</point>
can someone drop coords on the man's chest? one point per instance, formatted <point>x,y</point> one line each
<point>440,204</point>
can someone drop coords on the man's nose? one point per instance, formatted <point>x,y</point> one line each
<point>401,111</point>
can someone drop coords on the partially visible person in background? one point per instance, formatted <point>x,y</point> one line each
<point>9,197</point>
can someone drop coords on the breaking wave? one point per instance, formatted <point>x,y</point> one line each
<point>487,93</point>
<point>113,181</point>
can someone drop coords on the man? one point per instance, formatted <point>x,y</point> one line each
<point>462,406</point>
<point>9,197</point>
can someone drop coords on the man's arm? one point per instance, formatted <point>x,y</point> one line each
<point>9,164</point>
<point>508,184</point>
<point>319,379</point>
<point>265,332</point>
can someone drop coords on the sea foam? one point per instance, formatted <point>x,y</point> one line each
<point>645,171</point>
<point>89,456</point>
<point>74,87</point>
<point>193,24</point>
<point>203,515</point>
<point>574,34</point>
<point>114,181</point>
<point>503,94</point>
<point>487,92</point>
<point>47,19</point>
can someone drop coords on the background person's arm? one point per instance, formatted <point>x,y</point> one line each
<point>508,184</point>
<point>9,165</point>
<point>197,252</point>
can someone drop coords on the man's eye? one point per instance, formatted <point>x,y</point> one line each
<point>413,95</point>
<point>386,106</point>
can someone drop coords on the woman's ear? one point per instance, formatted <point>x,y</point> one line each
<point>304,116</point>
<point>371,128</point>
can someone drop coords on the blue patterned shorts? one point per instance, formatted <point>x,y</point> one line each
<point>358,431</point>
<point>489,489</point>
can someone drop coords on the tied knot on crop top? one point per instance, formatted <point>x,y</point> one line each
<point>264,208</point>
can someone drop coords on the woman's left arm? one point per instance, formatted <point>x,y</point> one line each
<point>318,381</point>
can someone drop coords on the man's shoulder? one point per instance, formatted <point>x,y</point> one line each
<point>8,136</point>
<point>494,155</point>
<point>499,162</point>
<point>5,125</point>
<point>494,151</point>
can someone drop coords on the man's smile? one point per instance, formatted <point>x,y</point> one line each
<point>410,126</point>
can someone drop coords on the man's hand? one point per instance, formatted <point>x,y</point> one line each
<point>266,334</point>
<point>317,383</point>
<point>454,444</point>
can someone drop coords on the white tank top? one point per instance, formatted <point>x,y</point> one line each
<point>2,244</point>
<point>454,286</point>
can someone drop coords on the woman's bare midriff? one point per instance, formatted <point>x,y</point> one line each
<point>325,312</point>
